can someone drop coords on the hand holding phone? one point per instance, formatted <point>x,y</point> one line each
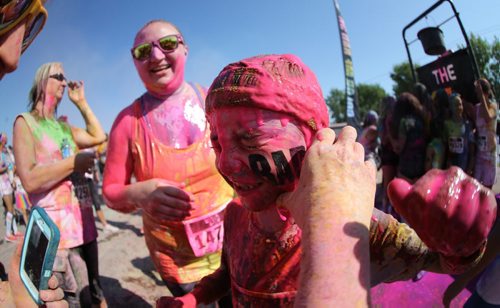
<point>38,253</point>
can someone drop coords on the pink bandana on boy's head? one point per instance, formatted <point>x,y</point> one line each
<point>280,83</point>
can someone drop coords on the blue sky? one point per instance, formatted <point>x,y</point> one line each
<point>92,39</point>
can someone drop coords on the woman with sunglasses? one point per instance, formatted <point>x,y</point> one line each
<point>20,23</point>
<point>51,168</point>
<point>162,139</point>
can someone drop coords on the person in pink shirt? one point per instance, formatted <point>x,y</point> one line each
<point>303,230</point>
<point>162,139</point>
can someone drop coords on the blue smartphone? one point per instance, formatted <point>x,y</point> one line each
<point>39,251</point>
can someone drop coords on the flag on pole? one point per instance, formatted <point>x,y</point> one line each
<point>351,96</point>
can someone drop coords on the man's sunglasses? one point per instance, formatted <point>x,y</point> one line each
<point>13,12</point>
<point>58,76</point>
<point>166,44</point>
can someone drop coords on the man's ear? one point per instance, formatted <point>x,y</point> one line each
<point>186,50</point>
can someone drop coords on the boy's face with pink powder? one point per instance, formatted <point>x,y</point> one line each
<point>259,152</point>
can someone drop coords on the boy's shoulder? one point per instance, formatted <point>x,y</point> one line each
<point>236,213</point>
<point>235,206</point>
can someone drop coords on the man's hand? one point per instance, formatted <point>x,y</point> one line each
<point>335,181</point>
<point>450,211</point>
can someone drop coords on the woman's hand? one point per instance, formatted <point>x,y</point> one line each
<point>163,199</point>
<point>76,93</point>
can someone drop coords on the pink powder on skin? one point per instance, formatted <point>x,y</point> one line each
<point>446,197</point>
<point>159,89</point>
<point>50,102</point>
<point>167,81</point>
<point>242,131</point>
<point>284,122</point>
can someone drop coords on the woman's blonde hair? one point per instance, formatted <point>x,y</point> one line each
<point>37,91</point>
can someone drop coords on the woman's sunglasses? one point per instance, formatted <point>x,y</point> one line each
<point>13,12</point>
<point>166,44</point>
<point>58,76</point>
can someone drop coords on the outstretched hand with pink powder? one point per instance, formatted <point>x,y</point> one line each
<point>450,211</point>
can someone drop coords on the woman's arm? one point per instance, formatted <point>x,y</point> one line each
<point>490,109</point>
<point>36,177</point>
<point>93,134</point>
<point>119,165</point>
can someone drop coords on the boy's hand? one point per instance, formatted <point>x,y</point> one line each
<point>450,211</point>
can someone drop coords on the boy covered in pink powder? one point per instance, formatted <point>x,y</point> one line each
<point>306,201</point>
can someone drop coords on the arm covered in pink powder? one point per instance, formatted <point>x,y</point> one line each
<point>119,167</point>
<point>332,204</point>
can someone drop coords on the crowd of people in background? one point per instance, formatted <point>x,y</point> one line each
<point>419,131</point>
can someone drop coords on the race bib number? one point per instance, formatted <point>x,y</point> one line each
<point>456,145</point>
<point>205,233</point>
<point>82,190</point>
<point>482,143</point>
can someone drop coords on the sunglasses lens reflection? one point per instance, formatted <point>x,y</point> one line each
<point>142,52</point>
<point>33,30</point>
<point>168,43</point>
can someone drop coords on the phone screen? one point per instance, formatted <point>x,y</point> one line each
<point>35,254</point>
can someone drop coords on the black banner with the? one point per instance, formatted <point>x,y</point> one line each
<point>452,71</point>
